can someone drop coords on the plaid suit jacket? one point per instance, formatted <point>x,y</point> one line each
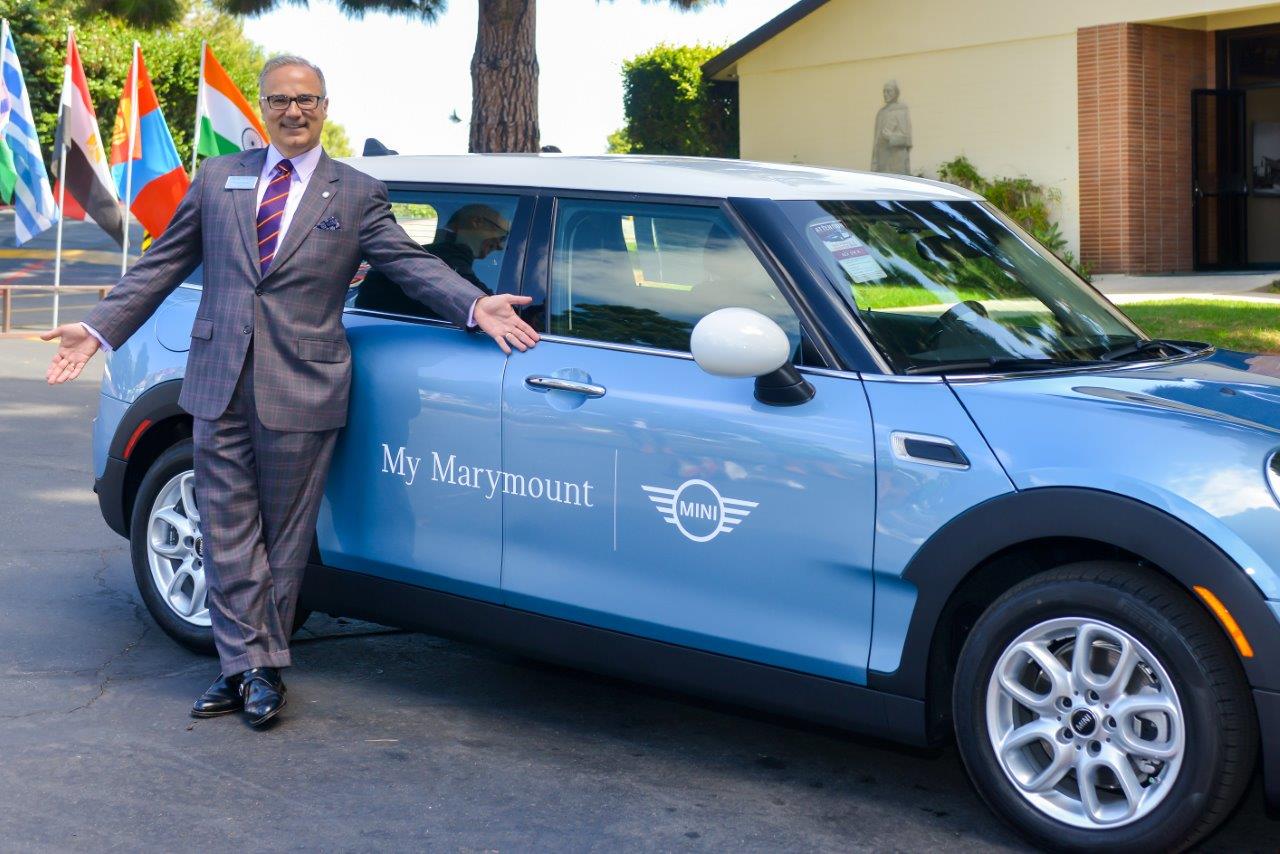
<point>293,314</point>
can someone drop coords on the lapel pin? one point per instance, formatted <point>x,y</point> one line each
<point>325,194</point>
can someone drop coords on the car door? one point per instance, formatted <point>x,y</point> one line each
<point>655,499</point>
<point>423,389</point>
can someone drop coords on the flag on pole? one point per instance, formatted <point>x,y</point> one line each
<point>225,122</point>
<point>23,178</point>
<point>88,185</point>
<point>158,181</point>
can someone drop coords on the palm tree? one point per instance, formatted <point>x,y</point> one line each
<point>504,67</point>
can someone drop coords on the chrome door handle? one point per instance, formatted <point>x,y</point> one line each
<point>539,383</point>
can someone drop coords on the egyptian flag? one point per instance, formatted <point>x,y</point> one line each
<point>88,185</point>
<point>148,172</point>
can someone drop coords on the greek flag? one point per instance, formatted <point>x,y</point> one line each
<point>22,169</point>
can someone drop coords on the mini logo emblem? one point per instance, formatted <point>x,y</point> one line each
<point>1083,722</point>
<point>698,510</point>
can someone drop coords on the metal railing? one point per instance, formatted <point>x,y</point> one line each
<point>6,298</point>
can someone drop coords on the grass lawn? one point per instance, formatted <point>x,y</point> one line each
<point>904,296</point>
<point>1231,324</point>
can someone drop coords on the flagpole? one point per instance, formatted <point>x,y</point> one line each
<point>195,137</point>
<point>128,164</point>
<point>62,188</point>
<point>57,251</point>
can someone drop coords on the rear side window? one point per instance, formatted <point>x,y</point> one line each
<point>468,231</point>
<point>644,274</point>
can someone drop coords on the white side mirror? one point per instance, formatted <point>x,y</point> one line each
<point>739,342</point>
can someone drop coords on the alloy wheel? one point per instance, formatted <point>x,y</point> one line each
<point>175,550</point>
<point>1086,723</point>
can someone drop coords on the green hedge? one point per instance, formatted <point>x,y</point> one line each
<point>671,109</point>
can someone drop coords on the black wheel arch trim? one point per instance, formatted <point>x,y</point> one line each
<point>1268,705</point>
<point>157,403</point>
<point>110,490</point>
<point>1071,513</point>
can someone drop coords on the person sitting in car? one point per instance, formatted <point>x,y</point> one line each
<point>472,233</point>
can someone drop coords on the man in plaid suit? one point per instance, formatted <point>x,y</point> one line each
<point>280,232</point>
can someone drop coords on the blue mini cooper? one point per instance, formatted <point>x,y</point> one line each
<point>845,446</point>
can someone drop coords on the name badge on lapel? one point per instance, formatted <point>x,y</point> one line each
<point>241,182</point>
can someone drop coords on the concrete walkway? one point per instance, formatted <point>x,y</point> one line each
<point>1245,287</point>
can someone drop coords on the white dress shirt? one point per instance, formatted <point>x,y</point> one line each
<point>304,166</point>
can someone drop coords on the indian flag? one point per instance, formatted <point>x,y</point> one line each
<point>225,123</point>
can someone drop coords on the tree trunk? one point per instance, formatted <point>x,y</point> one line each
<point>504,78</point>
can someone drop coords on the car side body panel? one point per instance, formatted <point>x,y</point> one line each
<point>419,389</point>
<point>1058,514</point>
<point>712,520</point>
<point>916,497</point>
<point>1191,439</point>
<point>143,361</point>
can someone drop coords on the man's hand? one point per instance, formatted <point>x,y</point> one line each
<point>75,349</point>
<point>496,316</point>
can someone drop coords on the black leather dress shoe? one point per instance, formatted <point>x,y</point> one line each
<point>263,690</point>
<point>221,698</point>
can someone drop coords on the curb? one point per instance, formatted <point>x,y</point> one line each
<point>1261,299</point>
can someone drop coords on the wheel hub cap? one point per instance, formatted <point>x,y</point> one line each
<point>1084,722</point>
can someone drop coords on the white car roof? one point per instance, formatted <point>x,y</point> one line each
<point>675,176</point>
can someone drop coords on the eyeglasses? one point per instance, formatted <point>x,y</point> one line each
<point>280,103</point>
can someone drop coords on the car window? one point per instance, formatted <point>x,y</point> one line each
<point>468,231</point>
<point>645,274</point>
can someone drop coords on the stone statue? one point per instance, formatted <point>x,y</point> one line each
<point>892,149</point>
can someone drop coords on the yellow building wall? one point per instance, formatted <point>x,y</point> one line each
<point>848,30</point>
<point>993,80</point>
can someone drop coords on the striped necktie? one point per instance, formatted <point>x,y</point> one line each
<point>271,213</point>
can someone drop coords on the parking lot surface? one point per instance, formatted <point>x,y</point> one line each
<point>391,740</point>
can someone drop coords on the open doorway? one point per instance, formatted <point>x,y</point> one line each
<point>1236,155</point>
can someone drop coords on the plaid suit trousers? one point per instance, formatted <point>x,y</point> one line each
<point>258,492</point>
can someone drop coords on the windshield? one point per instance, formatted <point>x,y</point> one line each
<point>942,284</point>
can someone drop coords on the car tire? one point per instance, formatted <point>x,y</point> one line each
<point>162,490</point>
<point>1182,723</point>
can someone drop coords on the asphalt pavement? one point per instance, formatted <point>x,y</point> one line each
<point>391,740</point>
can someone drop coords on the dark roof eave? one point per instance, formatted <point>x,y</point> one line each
<point>729,57</point>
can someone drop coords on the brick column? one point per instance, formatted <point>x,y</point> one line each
<point>1135,85</point>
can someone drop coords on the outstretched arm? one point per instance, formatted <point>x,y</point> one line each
<point>430,281</point>
<point>135,297</point>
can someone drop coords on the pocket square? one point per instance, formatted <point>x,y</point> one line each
<point>329,224</point>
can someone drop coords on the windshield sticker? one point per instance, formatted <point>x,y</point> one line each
<point>848,251</point>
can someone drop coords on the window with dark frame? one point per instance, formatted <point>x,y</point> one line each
<point>644,274</point>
